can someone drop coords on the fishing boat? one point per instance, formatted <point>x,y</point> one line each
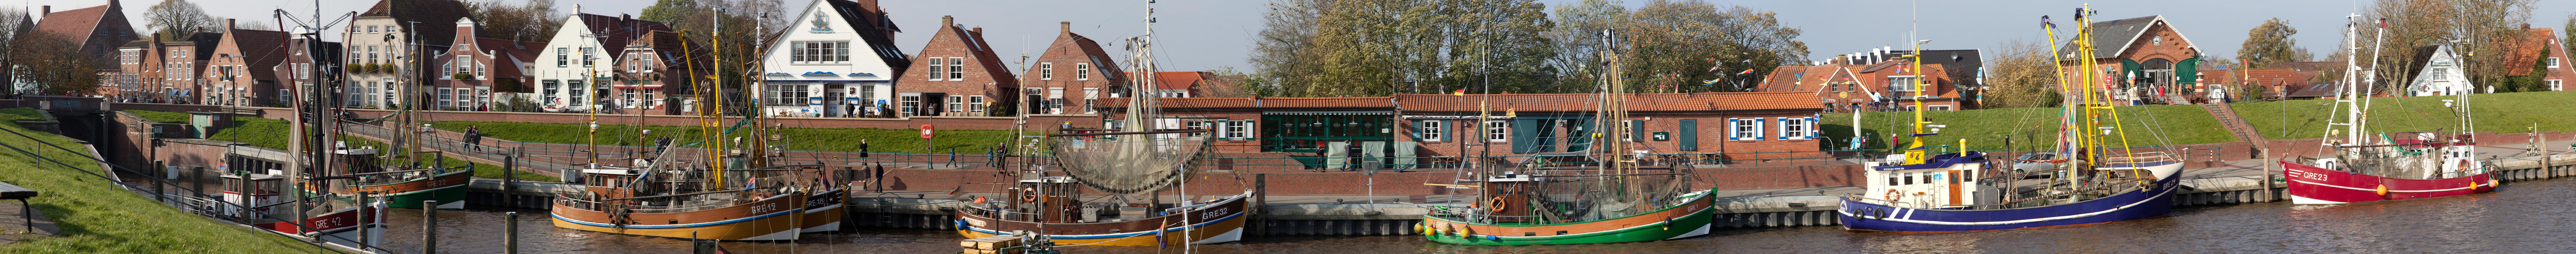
<point>2098,178</point>
<point>2402,165</point>
<point>406,186</point>
<point>1121,163</point>
<point>726,189</point>
<point>264,198</point>
<point>1610,200</point>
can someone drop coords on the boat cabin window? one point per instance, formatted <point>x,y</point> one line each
<point>1909,178</point>
<point>1891,180</point>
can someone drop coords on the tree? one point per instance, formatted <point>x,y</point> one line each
<point>53,64</point>
<point>1674,43</point>
<point>2022,76</point>
<point>2271,43</point>
<point>1578,40</point>
<point>743,20</point>
<point>527,21</point>
<point>2469,27</point>
<point>13,24</point>
<point>175,19</point>
<point>1363,48</point>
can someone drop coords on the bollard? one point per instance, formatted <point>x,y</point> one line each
<point>159,193</point>
<point>429,226</point>
<point>510,233</point>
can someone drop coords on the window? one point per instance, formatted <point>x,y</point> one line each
<point>1909,178</point>
<point>2553,86</point>
<point>935,66</point>
<point>577,88</point>
<point>1792,128</point>
<point>1744,129</point>
<point>954,103</point>
<point>788,94</point>
<point>1055,100</point>
<point>563,57</point>
<point>819,52</point>
<point>2441,74</point>
<point>1235,129</point>
<point>552,88</point>
<point>1090,100</point>
<point>1082,71</point>
<point>1900,83</point>
<point>445,98</point>
<point>1046,71</point>
<point>587,58</point>
<point>1429,130</point>
<point>868,97</point>
<point>371,54</point>
<point>2553,62</point>
<point>911,101</point>
<point>1496,131</point>
<point>1939,107</point>
<point>975,103</point>
<point>956,69</point>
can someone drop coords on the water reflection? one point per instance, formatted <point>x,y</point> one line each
<point>2524,217</point>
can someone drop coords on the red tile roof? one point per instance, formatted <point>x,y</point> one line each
<point>1669,102</point>
<point>425,12</point>
<point>74,24</point>
<point>2525,48</point>
<point>261,47</point>
<point>1176,80</point>
<point>1271,103</point>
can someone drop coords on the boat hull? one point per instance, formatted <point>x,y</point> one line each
<point>772,219</point>
<point>2314,185</point>
<point>341,227</point>
<point>446,188</point>
<point>1219,223</point>
<point>2133,205</point>
<point>1690,219</point>
<point>823,212</point>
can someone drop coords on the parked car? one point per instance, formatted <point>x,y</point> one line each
<point>2030,162</point>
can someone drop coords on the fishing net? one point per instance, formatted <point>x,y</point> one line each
<point>1131,163</point>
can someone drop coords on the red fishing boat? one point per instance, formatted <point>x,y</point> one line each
<point>2393,166</point>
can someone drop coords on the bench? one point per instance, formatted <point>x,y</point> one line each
<point>25,211</point>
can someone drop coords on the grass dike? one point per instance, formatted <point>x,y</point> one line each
<point>270,133</point>
<point>2028,128</point>
<point>96,216</point>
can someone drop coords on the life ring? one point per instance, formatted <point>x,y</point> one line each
<point>1497,203</point>
<point>1892,195</point>
<point>1029,196</point>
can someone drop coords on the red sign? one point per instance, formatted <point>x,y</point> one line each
<point>925,131</point>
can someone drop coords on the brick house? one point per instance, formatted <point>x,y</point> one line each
<point>1185,84</point>
<point>1444,128</point>
<point>178,67</point>
<point>2151,58</point>
<point>1072,74</point>
<point>135,61</point>
<point>99,30</point>
<point>2538,46</point>
<point>655,71</point>
<point>1871,81</point>
<point>474,67</point>
<point>1833,84</point>
<point>377,42</point>
<point>241,72</point>
<point>585,53</point>
<point>297,67</point>
<point>838,49</point>
<point>968,83</point>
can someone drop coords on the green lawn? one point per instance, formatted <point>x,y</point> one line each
<point>812,139</point>
<point>159,116</point>
<point>97,217</point>
<point>2497,112</point>
<point>1985,129</point>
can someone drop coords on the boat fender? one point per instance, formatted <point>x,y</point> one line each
<point>1421,228</point>
<point>1892,195</point>
<point>2383,190</point>
<point>1463,232</point>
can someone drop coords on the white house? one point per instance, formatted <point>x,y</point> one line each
<point>838,59</point>
<point>572,72</point>
<point>2441,75</point>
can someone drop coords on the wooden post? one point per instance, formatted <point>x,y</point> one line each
<point>429,227</point>
<point>196,177</point>
<point>1260,204</point>
<point>158,192</point>
<point>510,233</point>
<point>510,176</point>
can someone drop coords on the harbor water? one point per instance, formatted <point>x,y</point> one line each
<point>2524,217</point>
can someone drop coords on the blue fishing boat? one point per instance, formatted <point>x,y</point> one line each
<point>2092,177</point>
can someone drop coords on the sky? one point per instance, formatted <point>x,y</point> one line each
<point>1206,35</point>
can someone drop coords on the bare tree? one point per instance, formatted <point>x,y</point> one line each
<point>175,19</point>
<point>530,20</point>
<point>2022,76</point>
<point>53,64</point>
<point>2470,27</point>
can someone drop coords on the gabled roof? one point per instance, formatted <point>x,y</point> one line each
<point>974,43</point>
<point>77,24</point>
<point>2112,37</point>
<point>872,24</point>
<point>616,31</point>
<point>2525,48</point>
<point>2307,66</point>
<point>204,41</point>
<point>425,12</point>
<point>1799,78</point>
<point>1262,103</point>
<point>1175,80</point>
<point>518,50</point>
<point>260,48</point>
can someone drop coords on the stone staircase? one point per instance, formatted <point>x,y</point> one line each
<point>2236,126</point>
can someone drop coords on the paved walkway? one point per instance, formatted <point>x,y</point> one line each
<point>13,227</point>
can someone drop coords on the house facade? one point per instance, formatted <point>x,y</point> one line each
<point>838,59</point>
<point>1071,76</point>
<point>99,30</point>
<point>471,70</point>
<point>183,67</point>
<point>2539,50</point>
<point>576,71</point>
<point>298,68</point>
<point>2440,74</point>
<point>242,71</point>
<point>959,76</point>
<point>389,48</point>
<point>2154,63</point>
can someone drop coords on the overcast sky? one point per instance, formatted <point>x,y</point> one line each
<point>1203,35</point>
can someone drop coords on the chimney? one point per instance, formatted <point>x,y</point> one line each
<point>2526,26</point>
<point>979,31</point>
<point>228,25</point>
<point>1066,26</point>
<point>48,10</point>
<point>947,21</point>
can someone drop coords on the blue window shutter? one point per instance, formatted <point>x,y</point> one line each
<point>1814,127</point>
<point>1637,130</point>
<point>1524,136</point>
<point>1757,129</point>
<point>1689,134</point>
